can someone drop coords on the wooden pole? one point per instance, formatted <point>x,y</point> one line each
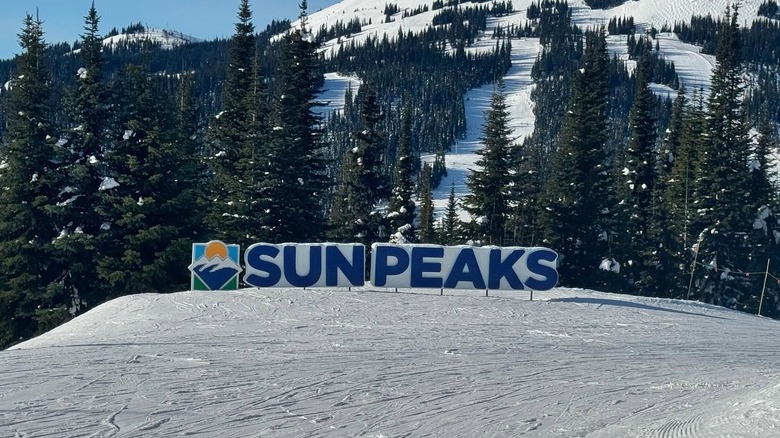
<point>763,289</point>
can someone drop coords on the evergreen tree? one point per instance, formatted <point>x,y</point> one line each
<point>725,210</point>
<point>88,104</point>
<point>762,190</point>
<point>426,232</point>
<point>684,187</point>
<point>670,199</point>
<point>235,135</point>
<point>293,189</point>
<point>450,227</point>
<point>488,201</point>
<point>401,209</point>
<point>526,193</point>
<point>640,174</point>
<point>187,149</point>
<point>147,204</point>
<point>29,178</point>
<point>362,184</point>
<point>578,205</point>
<point>764,241</point>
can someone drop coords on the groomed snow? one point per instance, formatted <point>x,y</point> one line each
<point>331,98</point>
<point>461,160</point>
<point>375,363</point>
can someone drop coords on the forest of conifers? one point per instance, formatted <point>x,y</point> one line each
<point>115,160</point>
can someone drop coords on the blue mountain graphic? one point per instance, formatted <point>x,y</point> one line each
<point>214,276</point>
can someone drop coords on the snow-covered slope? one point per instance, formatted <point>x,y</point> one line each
<point>646,13</point>
<point>374,363</point>
<point>694,68</point>
<point>166,38</point>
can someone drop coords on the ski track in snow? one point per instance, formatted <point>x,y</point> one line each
<point>460,161</point>
<point>332,96</point>
<point>375,363</point>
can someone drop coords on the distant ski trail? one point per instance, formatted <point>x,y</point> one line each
<point>460,161</point>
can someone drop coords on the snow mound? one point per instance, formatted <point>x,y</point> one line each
<point>368,362</point>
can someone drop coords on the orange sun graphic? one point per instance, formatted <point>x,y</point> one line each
<point>216,249</point>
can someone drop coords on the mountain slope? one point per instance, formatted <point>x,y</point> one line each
<point>167,39</point>
<point>376,363</point>
<point>693,67</point>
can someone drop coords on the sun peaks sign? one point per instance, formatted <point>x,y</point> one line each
<point>215,266</point>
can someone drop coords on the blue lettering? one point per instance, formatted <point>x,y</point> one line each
<point>420,267</point>
<point>253,259</point>
<point>381,268</point>
<point>504,269</point>
<point>549,273</point>
<point>466,261</point>
<point>290,262</point>
<point>354,270</point>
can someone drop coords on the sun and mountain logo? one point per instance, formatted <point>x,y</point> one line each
<point>214,266</point>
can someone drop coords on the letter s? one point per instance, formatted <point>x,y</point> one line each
<point>547,272</point>
<point>256,265</point>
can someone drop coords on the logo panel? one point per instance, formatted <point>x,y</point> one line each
<point>215,266</point>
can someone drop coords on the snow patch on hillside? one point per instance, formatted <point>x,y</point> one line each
<point>461,160</point>
<point>656,13</point>
<point>331,98</point>
<point>693,67</point>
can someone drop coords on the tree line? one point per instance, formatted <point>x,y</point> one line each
<point>682,208</point>
<point>110,178</point>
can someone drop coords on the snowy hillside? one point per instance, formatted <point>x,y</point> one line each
<point>374,363</point>
<point>646,13</point>
<point>167,39</point>
<point>693,67</point>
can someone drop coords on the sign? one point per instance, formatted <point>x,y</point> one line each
<point>305,265</point>
<point>463,267</point>
<point>214,266</point>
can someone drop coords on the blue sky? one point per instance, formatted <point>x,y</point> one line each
<point>205,19</point>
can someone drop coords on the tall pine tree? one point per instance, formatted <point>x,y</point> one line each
<point>670,197</point>
<point>237,137</point>
<point>578,204</point>
<point>724,184</point>
<point>292,191</point>
<point>401,208</point>
<point>488,198</point>
<point>640,174</point>
<point>29,178</point>
<point>363,184</point>
<point>147,201</point>
<point>89,107</point>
